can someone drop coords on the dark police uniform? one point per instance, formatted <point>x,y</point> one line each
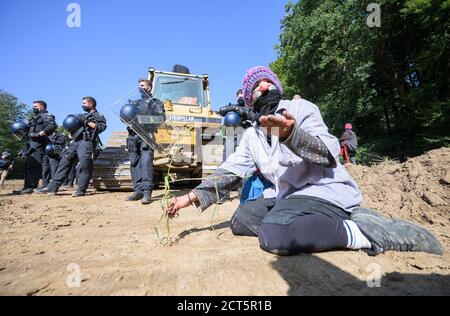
<point>140,153</point>
<point>70,180</point>
<point>83,148</point>
<point>50,163</point>
<point>35,147</point>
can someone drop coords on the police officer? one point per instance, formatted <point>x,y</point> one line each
<point>50,162</point>
<point>140,153</point>
<point>240,98</point>
<point>236,117</point>
<point>231,138</point>
<point>40,127</point>
<point>83,146</point>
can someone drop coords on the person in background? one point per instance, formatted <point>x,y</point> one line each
<point>83,147</point>
<point>349,144</point>
<point>6,165</point>
<point>70,179</point>
<point>50,162</point>
<point>41,126</point>
<point>230,138</point>
<point>231,141</point>
<point>140,153</point>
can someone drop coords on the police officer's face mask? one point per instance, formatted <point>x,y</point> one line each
<point>241,102</point>
<point>36,110</point>
<point>144,92</point>
<point>86,108</point>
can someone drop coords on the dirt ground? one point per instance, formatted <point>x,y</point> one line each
<point>46,240</point>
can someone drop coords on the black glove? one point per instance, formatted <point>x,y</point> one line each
<point>82,118</point>
<point>244,113</point>
<point>247,115</point>
<point>35,136</point>
<point>227,108</point>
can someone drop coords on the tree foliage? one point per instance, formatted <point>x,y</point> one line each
<point>391,82</point>
<point>11,110</point>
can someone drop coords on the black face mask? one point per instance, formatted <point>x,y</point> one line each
<point>144,93</point>
<point>267,103</point>
<point>86,108</point>
<point>241,101</point>
<point>36,111</point>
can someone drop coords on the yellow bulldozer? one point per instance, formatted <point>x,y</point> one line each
<point>191,137</point>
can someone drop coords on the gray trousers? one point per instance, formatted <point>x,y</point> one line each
<point>141,164</point>
<point>49,167</point>
<point>83,149</point>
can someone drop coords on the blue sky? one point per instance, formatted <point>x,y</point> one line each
<point>42,58</point>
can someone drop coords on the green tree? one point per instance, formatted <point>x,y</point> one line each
<point>391,82</point>
<point>11,110</point>
<point>63,131</point>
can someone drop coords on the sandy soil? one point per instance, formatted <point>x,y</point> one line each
<point>117,250</point>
